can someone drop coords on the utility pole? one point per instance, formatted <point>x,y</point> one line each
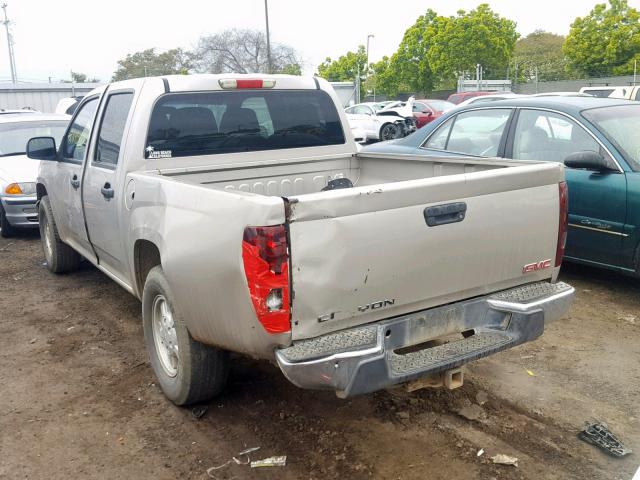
<point>635,71</point>
<point>12,58</point>
<point>266,17</point>
<point>367,71</point>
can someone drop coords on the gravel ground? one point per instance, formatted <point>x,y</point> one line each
<point>79,399</point>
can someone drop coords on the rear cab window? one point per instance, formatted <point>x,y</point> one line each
<point>209,123</point>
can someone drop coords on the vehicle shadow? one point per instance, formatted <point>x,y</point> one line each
<point>575,273</point>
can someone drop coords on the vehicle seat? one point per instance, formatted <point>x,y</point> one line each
<point>534,145</point>
<point>241,127</point>
<point>192,121</point>
<point>160,124</point>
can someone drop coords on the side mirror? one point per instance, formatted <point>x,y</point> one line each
<point>588,160</point>
<point>42,148</point>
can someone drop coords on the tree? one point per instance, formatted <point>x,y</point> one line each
<point>77,77</point>
<point>148,63</point>
<point>540,52</point>
<point>346,68</point>
<point>606,41</point>
<point>244,51</point>
<point>480,36</point>
<point>409,68</point>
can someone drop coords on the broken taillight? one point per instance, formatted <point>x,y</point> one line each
<point>265,255</point>
<point>562,222</point>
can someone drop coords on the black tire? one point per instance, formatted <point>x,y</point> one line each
<point>61,258</point>
<point>389,131</point>
<point>198,371</point>
<point>6,230</point>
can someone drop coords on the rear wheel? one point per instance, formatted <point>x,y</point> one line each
<point>60,257</point>
<point>389,131</point>
<point>188,371</point>
<point>6,230</point>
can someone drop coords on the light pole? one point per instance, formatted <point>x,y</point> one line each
<point>12,58</point>
<point>266,17</point>
<point>368,37</point>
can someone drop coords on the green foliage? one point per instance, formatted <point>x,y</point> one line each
<point>606,41</point>
<point>480,36</point>
<point>149,63</point>
<point>77,77</point>
<point>291,69</point>
<point>541,50</point>
<point>346,68</point>
<point>409,68</point>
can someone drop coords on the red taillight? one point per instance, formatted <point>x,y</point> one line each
<point>249,83</point>
<point>562,222</point>
<point>237,83</point>
<point>265,256</point>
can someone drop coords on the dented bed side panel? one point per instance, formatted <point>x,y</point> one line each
<point>199,233</point>
<point>363,254</point>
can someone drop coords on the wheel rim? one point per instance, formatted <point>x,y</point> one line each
<point>388,132</point>
<point>48,240</point>
<point>164,335</point>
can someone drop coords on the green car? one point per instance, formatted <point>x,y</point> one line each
<point>598,140</point>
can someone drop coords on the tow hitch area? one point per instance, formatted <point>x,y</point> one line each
<point>450,379</point>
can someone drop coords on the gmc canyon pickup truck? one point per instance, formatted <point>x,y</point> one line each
<point>238,210</point>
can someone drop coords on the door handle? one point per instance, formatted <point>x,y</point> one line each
<point>443,214</point>
<point>107,191</point>
<point>75,183</point>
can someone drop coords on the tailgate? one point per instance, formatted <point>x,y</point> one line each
<point>366,253</point>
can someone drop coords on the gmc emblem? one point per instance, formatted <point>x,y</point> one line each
<point>534,267</point>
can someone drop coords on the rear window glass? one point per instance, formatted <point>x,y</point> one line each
<point>205,123</point>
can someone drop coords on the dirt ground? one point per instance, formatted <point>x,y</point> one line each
<point>79,399</point>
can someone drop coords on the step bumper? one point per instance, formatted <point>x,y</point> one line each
<point>397,350</point>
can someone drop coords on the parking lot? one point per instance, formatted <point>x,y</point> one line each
<point>79,398</point>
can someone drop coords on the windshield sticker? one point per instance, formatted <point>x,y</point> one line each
<point>153,153</point>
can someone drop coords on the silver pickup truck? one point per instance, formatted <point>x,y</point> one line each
<point>240,213</point>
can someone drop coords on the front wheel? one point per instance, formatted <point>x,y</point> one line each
<point>60,257</point>
<point>389,131</point>
<point>188,371</point>
<point>6,230</point>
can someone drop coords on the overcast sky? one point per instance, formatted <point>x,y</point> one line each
<point>90,36</point>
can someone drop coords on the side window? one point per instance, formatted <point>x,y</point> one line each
<point>76,140</point>
<point>478,132</point>
<point>112,128</point>
<point>637,97</point>
<point>362,110</point>
<point>548,136</point>
<point>349,110</point>
<point>439,139</point>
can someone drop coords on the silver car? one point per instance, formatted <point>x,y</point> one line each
<point>17,172</point>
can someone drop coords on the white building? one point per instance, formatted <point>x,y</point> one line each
<point>40,96</point>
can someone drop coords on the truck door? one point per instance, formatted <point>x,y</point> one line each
<point>103,193</point>
<point>64,189</point>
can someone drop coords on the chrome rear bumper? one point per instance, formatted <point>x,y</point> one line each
<point>375,356</point>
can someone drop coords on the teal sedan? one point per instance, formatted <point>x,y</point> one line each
<point>598,140</point>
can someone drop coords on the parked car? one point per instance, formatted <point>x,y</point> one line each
<point>424,110</point>
<point>17,172</point>
<point>457,98</point>
<point>68,105</point>
<point>489,98</point>
<point>237,209</point>
<point>378,124</point>
<point>4,111</point>
<point>625,92</point>
<point>595,138</point>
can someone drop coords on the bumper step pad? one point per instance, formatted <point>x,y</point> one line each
<point>449,354</point>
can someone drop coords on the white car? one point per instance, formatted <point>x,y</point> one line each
<point>17,172</point>
<point>489,98</point>
<point>376,124</point>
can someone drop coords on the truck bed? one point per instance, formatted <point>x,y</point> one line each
<point>307,176</point>
<point>367,253</point>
